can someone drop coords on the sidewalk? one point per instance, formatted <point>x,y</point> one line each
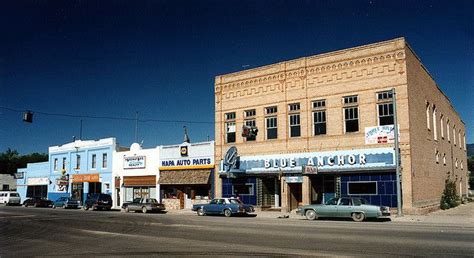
<point>463,214</point>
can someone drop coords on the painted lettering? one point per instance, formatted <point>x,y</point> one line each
<point>362,159</point>
<point>330,161</point>
<point>351,159</point>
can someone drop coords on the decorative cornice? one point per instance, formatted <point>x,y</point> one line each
<point>348,69</point>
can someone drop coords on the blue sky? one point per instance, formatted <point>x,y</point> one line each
<point>159,58</point>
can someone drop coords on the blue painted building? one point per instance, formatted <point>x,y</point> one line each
<point>33,180</point>
<point>80,168</point>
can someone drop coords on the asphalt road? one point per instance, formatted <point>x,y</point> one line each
<point>58,232</point>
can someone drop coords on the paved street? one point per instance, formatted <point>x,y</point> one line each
<point>58,232</point>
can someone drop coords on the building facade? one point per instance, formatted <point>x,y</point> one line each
<point>186,174</point>
<point>305,130</point>
<point>80,168</point>
<point>33,181</point>
<point>135,174</point>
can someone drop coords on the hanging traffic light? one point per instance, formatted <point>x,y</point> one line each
<point>28,117</point>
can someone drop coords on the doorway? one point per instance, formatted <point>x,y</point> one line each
<point>78,191</point>
<point>296,197</point>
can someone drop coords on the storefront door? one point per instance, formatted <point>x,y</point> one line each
<point>296,196</point>
<point>78,191</point>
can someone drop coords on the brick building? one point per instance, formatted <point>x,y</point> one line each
<point>332,114</point>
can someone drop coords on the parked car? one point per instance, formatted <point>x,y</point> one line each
<point>38,202</point>
<point>226,206</point>
<point>98,202</point>
<point>10,198</point>
<point>66,202</point>
<point>345,207</point>
<point>144,205</point>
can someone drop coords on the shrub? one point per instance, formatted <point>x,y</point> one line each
<point>449,199</point>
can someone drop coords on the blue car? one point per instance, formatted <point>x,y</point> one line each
<point>66,202</point>
<point>225,206</point>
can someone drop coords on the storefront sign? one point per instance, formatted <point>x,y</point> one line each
<point>379,134</point>
<point>80,178</point>
<point>322,161</point>
<point>310,170</point>
<point>62,183</point>
<point>294,179</point>
<point>37,181</point>
<point>187,163</point>
<point>134,162</point>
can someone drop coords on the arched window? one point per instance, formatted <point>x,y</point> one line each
<point>441,126</point>
<point>435,132</point>
<point>428,115</point>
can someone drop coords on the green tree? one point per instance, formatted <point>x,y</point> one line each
<point>11,160</point>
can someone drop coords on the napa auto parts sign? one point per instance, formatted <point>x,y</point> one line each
<point>380,134</point>
<point>134,162</point>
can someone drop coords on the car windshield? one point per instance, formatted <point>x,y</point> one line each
<point>137,200</point>
<point>151,200</point>
<point>235,201</point>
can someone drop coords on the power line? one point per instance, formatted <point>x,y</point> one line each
<point>107,117</point>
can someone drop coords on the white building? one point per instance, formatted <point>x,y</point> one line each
<point>135,174</point>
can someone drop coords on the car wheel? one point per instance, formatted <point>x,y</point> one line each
<point>311,215</point>
<point>54,206</point>
<point>35,205</point>
<point>26,205</point>
<point>85,207</point>
<point>144,209</point>
<point>227,213</point>
<point>358,216</point>
<point>64,206</point>
<point>200,212</point>
<point>127,209</point>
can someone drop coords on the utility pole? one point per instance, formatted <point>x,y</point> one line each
<point>136,126</point>
<point>397,157</point>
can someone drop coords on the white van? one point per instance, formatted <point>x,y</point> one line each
<point>10,198</point>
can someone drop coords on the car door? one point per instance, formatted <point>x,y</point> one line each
<point>329,209</point>
<point>344,207</point>
<point>211,207</point>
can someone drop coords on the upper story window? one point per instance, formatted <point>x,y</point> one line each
<point>319,117</point>
<point>351,100</point>
<point>78,161</point>
<point>104,160</point>
<point>447,131</point>
<point>250,113</point>
<point>230,127</point>
<point>55,165</point>
<point>294,119</point>
<point>454,135</point>
<point>437,155</point>
<point>385,107</point>
<point>460,142</point>
<point>441,125</point>
<point>464,137</point>
<point>64,164</point>
<point>428,116</point>
<point>250,123</point>
<point>351,114</point>
<point>435,131</point>
<point>271,122</point>
<point>94,161</point>
<point>385,95</point>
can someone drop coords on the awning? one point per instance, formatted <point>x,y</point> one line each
<point>185,177</point>
<point>139,180</point>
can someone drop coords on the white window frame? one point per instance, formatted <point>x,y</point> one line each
<point>94,161</point>
<point>435,132</point>
<point>274,125</point>
<point>104,160</point>
<point>293,123</point>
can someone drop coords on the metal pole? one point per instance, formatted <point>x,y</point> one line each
<point>136,126</point>
<point>80,132</point>
<point>397,158</point>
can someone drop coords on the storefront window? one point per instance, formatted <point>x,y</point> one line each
<point>242,189</point>
<point>362,188</point>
